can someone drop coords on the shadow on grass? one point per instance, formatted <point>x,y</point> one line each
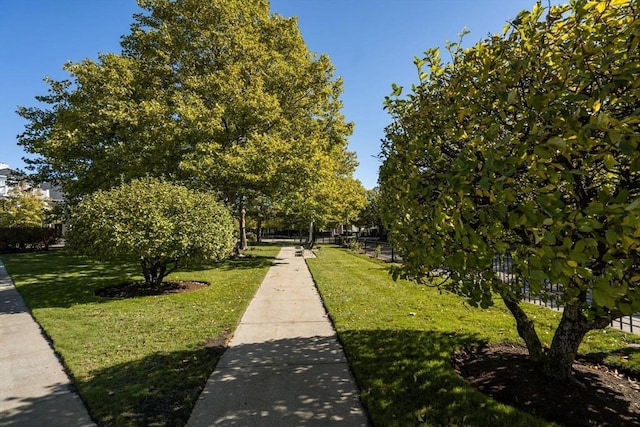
<point>298,381</point>
<point>289,382</point>
<point>508,374</point>
<point>160,389</point>
<point>247,262</point>
<point>407,378</point>
<point>622,353</point>
<point>57,278</point>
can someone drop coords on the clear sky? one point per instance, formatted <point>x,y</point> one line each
<point>372,44</point>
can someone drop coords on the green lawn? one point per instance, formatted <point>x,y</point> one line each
<point>399,338</point>
<point>143,361</point>
<point>139,361</point>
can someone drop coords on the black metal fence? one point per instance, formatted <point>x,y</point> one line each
<point>503,267</point>
<point>372,246</point>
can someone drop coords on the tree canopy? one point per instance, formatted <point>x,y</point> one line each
<point>219,95</point>
<point>160,225</point>
<point>526,144</point>
<point>370,216</point>
<point>24,207</point>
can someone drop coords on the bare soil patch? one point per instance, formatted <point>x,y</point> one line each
<point>139,289</point>
<point>504,372</point>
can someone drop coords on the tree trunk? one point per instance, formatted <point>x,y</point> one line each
<point>145,271</point>
<point>312,236</point>
<point>566,340</point>
<point>243,228</point>
<point>526,330</point>
<point>259,230</point>
<point>153,271</point>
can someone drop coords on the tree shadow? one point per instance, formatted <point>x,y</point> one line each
<point>287,382</point>
<point>506,373</point>
<point>407,378</point>
<point>57,278</point>
<point>246,262</point>
<point>622,353</point>
<point>58,406</point>
<point>298,381</point>
<point>160,389</point>
<point>12,303</point>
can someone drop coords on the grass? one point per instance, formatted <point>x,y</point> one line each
<point>138,361</point>
<point>399,338</point>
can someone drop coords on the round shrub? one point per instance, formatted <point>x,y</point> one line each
<point>161,225</point>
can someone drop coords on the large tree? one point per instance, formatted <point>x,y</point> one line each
<point>160,225</point>
<point>527,144</point>
<point>219,94</point>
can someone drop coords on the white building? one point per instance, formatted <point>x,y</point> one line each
<point>4,174</point>
<point>9,179</point>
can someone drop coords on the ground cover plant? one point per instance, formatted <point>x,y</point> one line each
<point>144,360</point>
<point>400,338</point>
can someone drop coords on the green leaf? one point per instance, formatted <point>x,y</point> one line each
<point>557,142</point>
<point>542,152</point>
<point>603,295</point>
<point>633,205</point>
<point>627,148</point>
<point>609,161</point>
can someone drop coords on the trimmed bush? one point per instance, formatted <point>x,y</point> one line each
<point>160,225</point>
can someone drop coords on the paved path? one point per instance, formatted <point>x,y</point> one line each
<point>284,365</point>
<point>34,388</point>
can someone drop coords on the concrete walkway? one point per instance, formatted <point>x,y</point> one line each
<point>284,365</point>
<point>34,388</point>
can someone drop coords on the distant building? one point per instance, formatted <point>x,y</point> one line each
<point>5,172</point>
<point>11,179</point>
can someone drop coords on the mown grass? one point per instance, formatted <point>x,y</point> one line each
<point>400,337</point>
<point>138,361</point>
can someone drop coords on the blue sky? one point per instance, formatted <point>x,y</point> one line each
<point>372,44</point>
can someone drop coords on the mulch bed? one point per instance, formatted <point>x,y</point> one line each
<point>504,372</point>
<point>138,289</point>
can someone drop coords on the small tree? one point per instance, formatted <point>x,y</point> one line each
<point>527,144</point>
<point>25,207</point>
<point>161,225</point>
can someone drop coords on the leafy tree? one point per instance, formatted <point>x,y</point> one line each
<point>333,197</point>
<point>161,225</point>
<point>218,95</point>
<point>527,144</point>
<point>24,207</point>
<point>370,215</point>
